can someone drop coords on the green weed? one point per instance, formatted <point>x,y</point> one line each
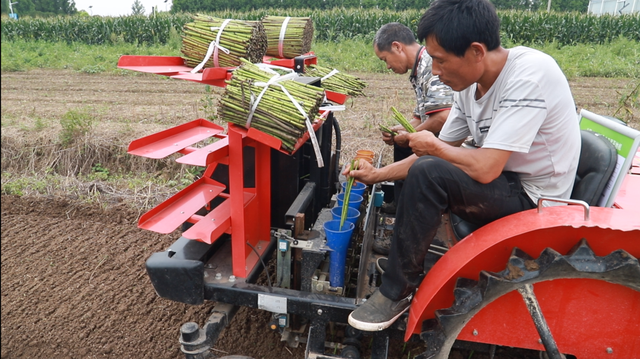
<point>93,69</point>
<point>208,105</point>
<point>191,174</point>
<point>75,124</point>
<point>21,185</point>
<point>627,104</point>
<point>98,172</point>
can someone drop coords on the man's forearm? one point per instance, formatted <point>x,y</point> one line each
<point>395,171</point>
<point>434,122</point>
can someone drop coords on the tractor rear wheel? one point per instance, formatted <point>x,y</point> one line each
<point>521,273</point>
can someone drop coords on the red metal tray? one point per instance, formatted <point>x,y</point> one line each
<point>216,222</point>
<point>174,67</point>
<point>170,214</point>
<point>336,97</point>
<point>309,59</point>
<point>173,140</point>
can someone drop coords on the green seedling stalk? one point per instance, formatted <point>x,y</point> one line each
<point>347,193</point>
<point>403,121</point>
<point>386,129</point>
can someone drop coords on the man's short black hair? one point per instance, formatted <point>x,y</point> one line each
<point>393,31</point>
<point>455,24</point>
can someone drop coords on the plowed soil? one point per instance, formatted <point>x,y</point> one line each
<point>73,277</point>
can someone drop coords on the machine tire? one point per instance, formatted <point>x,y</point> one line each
<point>439,334</point>
<point>351,352</point>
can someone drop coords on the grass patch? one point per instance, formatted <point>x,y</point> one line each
<point>349,55</point>
<point>23,55</point>
<point>619,58</point>
<point>20,186</point>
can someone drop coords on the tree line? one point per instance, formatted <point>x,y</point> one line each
<point>68,7</point>
<point>397,5</point>
<point>40,7</point>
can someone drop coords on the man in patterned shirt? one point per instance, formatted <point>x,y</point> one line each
<point>395,44</point>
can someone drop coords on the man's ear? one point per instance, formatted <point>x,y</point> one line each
<point>397,46</point>
<point>478,50</point>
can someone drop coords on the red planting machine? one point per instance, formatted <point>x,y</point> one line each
<point>561,279</point>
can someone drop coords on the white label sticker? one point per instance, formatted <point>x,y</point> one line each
<point>272,304</point>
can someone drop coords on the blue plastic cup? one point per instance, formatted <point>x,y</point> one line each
<point>352,214</point>
<point>338,240</point>
<point>357,187</point>
<point>378,198</point>
<point>354,200</point>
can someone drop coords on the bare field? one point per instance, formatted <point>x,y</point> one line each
<point>73,277</point>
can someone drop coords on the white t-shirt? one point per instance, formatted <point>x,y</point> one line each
<point>530,111</point>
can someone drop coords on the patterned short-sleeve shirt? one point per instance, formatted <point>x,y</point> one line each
<point>431,94</point>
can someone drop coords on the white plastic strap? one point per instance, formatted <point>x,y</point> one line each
<point>274,81</point>
<point>283,30</point>
<point>333,108</point>
<point>213,48</point>
<point>215,54</point>
<point>314,142</point>
<point>312,133</point>
<point>254,106</point>
<point>269,68</point>
<point>333,72</point>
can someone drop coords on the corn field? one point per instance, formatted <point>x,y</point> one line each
<point>517,26</point>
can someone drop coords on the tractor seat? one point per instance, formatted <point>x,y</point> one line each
<point>596,164</point>
<point>597,161</point>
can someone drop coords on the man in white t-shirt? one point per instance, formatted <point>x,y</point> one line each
<point>517,105</point>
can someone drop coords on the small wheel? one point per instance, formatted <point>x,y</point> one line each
<point>350,352</point>
<point>352,332</point>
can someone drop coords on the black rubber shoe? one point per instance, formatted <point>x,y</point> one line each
<point>381,264</point>
<point>378,312</point>
<point>388,208</point>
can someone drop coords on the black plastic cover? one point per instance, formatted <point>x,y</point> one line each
<point>178,273</point>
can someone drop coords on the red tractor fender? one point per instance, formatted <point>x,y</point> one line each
<point>506,320</point>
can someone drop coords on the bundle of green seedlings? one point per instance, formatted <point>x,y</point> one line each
<point>338,82</point>
<point>275,113</point>
<point>403,121</point>
<point>298,35</point>
<point>243,39</point>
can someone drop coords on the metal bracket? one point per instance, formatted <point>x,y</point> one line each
<point>584,204</point>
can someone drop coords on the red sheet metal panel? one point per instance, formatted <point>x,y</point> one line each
<point>170,141</point>
<point>215,76</point>
<point>336,97</point>
<point>215,223</point>
<point>204,156</point>
<point>170,214</point>
<point>309,59</point>
<point>160,65</point>
<point>586,317</point>
<point>174,67</point>
<point>628,196</point>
